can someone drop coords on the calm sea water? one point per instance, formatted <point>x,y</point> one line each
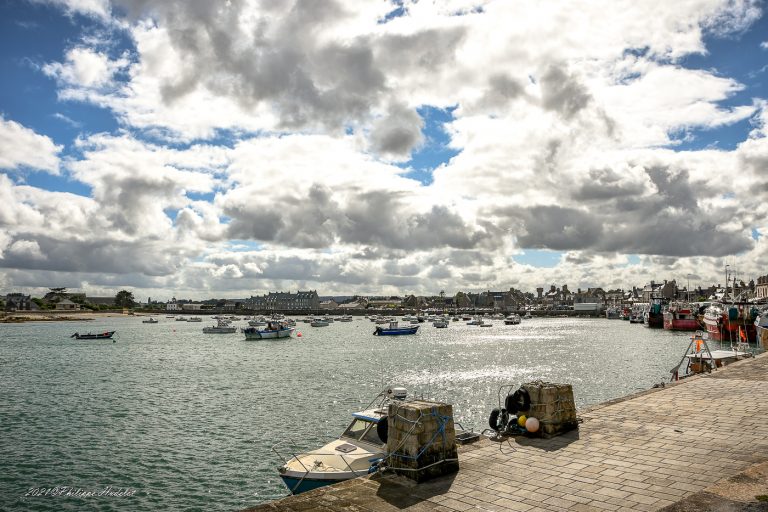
<point>187,420</point>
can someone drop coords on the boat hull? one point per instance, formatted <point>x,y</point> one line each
<point>99,336</point>
<point>395,331</point>
<point>722,329</point>
<point>681,320</point>
<point>678,324</point>
<point>267,334</point>
<point>219,330</point>
<point>298,485</point>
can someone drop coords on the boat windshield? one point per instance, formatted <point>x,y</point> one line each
<point>362,430</point>
<point>356,428</point>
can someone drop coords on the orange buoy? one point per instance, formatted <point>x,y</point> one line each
<point>298,335</point>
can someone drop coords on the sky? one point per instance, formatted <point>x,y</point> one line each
<point>225,149</point>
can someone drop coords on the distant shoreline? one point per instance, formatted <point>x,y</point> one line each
<point>18,317</point>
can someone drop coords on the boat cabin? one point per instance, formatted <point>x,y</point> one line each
<point>363,427</point>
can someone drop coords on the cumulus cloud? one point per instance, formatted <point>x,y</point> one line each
<point>22,147</point>
<point>283,122</point>
<point>84,67</point>
<point>398,133</point>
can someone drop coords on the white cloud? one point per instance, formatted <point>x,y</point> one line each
<point>94,8</point>
<point>22,147</point>
<point>85,68</point>
<point>563,120</point>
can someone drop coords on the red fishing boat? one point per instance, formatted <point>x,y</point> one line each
<point>681,317</point>
<point>733,323</point>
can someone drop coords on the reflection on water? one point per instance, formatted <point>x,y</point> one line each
<point>188,420</point>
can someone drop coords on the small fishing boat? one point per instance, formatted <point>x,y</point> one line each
<point>680,317</point>
<point>513,319</point>
<point>440,323</point>
<point>150,320</point>
<point>271,331</point>
<point>222,327</point>
<point>528,316</point>
<point>195,319</point>
<point>353,454</point>
<point>257,322</point>
<point>94,336</point>
<point>395,330</point>
<point>319,322</point>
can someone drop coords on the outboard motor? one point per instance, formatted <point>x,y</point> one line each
<point>397,393</point>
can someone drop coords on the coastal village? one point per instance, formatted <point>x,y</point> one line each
<point>559,299</point>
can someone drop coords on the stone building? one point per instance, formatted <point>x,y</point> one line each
<point>761,289</point>
<point>281,301</point>
<point>19,302</point>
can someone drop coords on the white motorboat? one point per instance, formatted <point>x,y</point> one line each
<point>440,323</point>
<point>319,322</point>
<point>223,326</point>
<point>353,454</point>
<point>513,319</point>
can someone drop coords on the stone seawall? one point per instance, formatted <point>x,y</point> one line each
<point>699,444</point>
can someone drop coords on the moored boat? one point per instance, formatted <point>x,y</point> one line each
<point>319,322</point>
<point>731,323</point>
<point>654,315</point>
<point>353,454</point>
<point>94,336</point>
<point>636,315</point>
<point>512,319</point>
<point>150,320</point>
<point>681,317</point>
<point>271,331</point>
<point>222,327</point>
<point>395,330</point>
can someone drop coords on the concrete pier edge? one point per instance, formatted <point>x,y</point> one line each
<point>698,444</point>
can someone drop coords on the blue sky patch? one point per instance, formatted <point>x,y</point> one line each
<point>435,150</point>
<point>539,258</point>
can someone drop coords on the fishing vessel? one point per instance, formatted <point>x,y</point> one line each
<point>359,447</point>
<point>150,320</point>
<point>395,330</point>
<point>681,317</point>
<point>513,319</point>
<point>271,331</point>
<point>654,315</point>
<point>731,323</point>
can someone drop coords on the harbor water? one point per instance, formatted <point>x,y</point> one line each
<point>175,419</point>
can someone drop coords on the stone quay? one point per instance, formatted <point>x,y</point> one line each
<point>700,444</point>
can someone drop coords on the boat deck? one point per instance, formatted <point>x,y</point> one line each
<point>685,445</point>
